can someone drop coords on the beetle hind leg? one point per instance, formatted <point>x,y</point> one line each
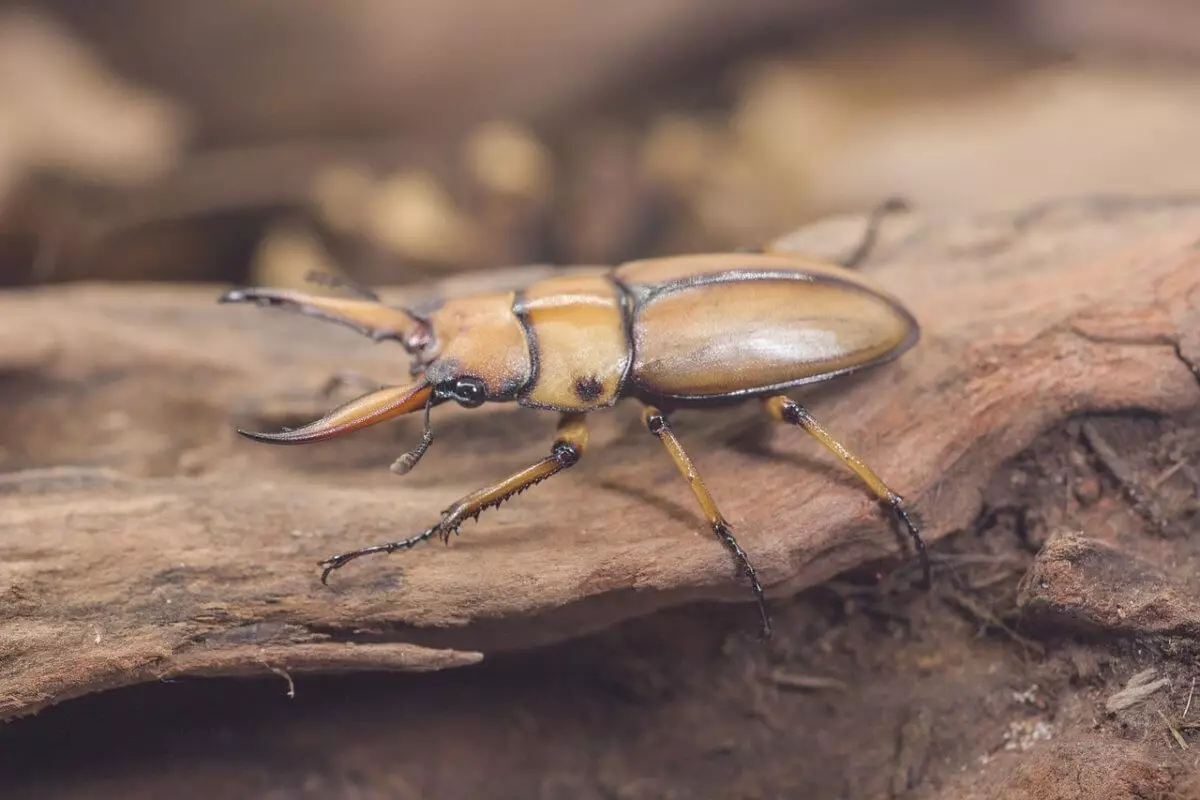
<point>784,409</point>
<point>875,218</point>
<point>656,422</point>
<point>887,206</point>
<point>569,445</point>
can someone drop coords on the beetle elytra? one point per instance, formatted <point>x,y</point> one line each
<point>685,331</point>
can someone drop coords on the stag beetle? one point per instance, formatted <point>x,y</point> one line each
<point>685,331</point>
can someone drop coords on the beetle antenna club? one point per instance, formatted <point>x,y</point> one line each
<point>699,331</point>
<point>404,464</point>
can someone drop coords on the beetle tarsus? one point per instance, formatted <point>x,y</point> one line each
<point>447,530</point>
<point>897,506</point>
<point>342,559</point>
<point>721,529</point>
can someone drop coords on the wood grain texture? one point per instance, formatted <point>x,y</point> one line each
<point>141,538</point>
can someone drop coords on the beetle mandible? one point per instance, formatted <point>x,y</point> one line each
<point>686,331</point>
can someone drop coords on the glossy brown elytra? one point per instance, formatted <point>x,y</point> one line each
<point>685,331</point>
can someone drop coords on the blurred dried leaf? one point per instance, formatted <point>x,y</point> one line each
<point>341,193</point>
<point>61,109</point>
<point>509,159</point>
<point>412,215</point>
<point>807,138</point>
<point>286,254</point>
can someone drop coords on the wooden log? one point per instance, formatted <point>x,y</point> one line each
<point>141,538</point>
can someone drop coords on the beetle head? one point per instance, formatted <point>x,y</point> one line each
<point>469,350</point>
<point>476,351</point>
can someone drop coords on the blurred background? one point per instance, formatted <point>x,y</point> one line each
<point>394,140</point>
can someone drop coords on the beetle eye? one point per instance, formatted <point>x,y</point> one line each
<point>470,392</point>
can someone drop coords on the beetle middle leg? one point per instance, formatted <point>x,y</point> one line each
<point>879,213</point>
<point>656,422</point>
<point>569,445</point>
<point>784,409</point>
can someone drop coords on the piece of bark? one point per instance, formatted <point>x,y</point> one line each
<point>153,541</point>
<point>1085,586</point>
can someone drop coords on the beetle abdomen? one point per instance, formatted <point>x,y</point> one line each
<point>735,325</point>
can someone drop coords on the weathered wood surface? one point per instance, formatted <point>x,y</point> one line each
<point>140,538</point>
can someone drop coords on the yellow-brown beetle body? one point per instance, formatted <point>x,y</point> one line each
<point>695,330</point>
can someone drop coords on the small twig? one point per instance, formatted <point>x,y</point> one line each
<point>1191,692</point>
<point>789,680</point>
<point>985,615</point>
<point>1174,731</point>
<point>967,559</point>
<point>1137,689</point>
<point>999,576</point>
<point>1165,475</point>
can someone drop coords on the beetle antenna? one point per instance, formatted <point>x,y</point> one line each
<point>404,464</point>
<point>330,281</point>
<point>888,206</point>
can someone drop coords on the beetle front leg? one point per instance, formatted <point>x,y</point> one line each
<point>784,409</point>
<point>569,445</point>
<point>656,422</point>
